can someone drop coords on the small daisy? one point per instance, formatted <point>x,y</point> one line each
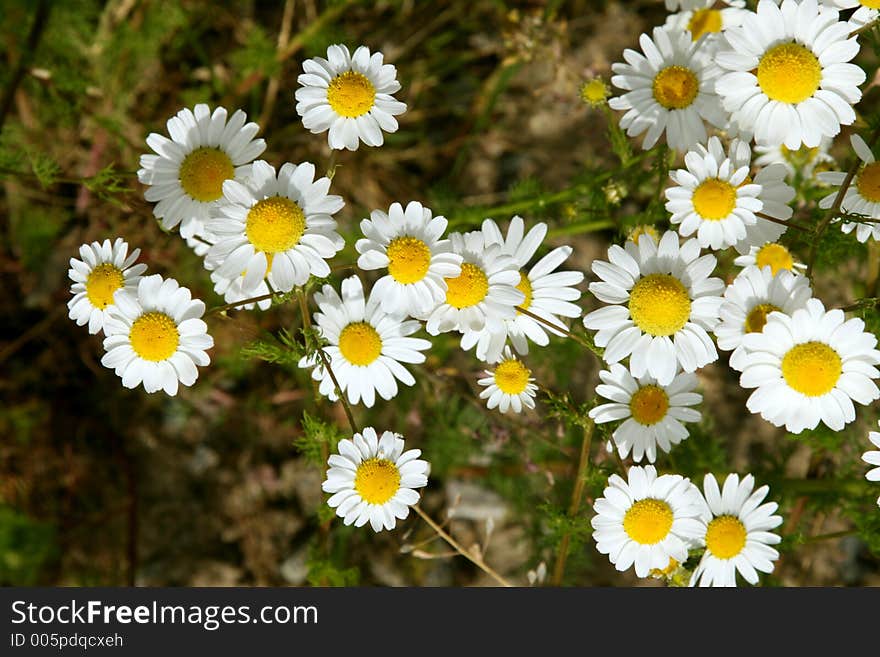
<point>754,294</point>
<point>156,336</point>
<point>509,385</point>
<point>408,242</point>
<point>367,345</point>
<point>277,227</point>
<point>373,479</point>
<point>186,175</point>
<point>104,268</point>
<point>865,14</point>
<point>647,520</point>
<point>549,293</point>
<point>802,88</point>
<point>803,160</point>
<point>736,532</point>
<point>349,95</point>
<point>231,291</point>
<point>664,302</point>
<point>705,20</point>
<point>809,368</point>
<point>483,294</point>
<point>873,458</point>
<point>862,197</point>
<point>773,255</point>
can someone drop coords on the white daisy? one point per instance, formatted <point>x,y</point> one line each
<point>231,290</point>
<point>809,368</point>
<point>802,88</point>
<point>408,242</point>
<point>349,95</point>
<point>509,386</point>
<point>664,304</point>
<point>483,294</point>
<point>754,294</point>
<point>736,532</point>
<point>653,414</point>
<point>862,197</point>
<point>186,175</point>
<point>773,255</point>
<point>549,294</point>
<point>277,228</point>
<point>104,268</point>
<point>669,89</point>
<point>866,12</point>
<point>367,345</point>
<point>373,479</point>
<point>803,160</point>
<point>705,20</point>
<point>156,336</point>
<point>673,5</point>
<point>647,520</point>
<point>873,458</point>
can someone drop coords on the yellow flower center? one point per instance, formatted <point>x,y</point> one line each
<point>203,171</point>
<point>757,317</point>
<point>594,92</point>
<point>408,259</point>
<point>467,289</point>
<point>871,4</point>
<point>644,229</point>
<point>525,286</point>
<point>360,343</point>
<point>811,368</point>
<point>275,224</point>
<point>649,404</point>
<point>102,282</point>
<point>666,572</point>
<point>774,256</point>
<point>789,73</point>
<point>154,336</point>
<point>659,304</point>
<point>377,480</point>
<point>725,537</point>
<point>351,94</point>
<point>512,377</point>
<point>714,199</point>
<point>703,22</point>
<point>868,182</point>
<point>676,87</point>
<point>648,521</point>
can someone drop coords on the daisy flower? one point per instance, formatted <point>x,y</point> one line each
<point>668,89</point>
<point>373,479</point>
<point>549,293</point>
<point>773,255</point>
<point>809,368</point>
<point>804,160</point>
<point>104,268</point>
<point>483,294</point>
<point>509,386</point>
<point>736,531</point>
<point>754,294</point>
<point>873,458</point>
<point>802,88</point>
<point>862,196</point>
<point>156,336</point>
<point>349,95</point>
<point>646,520</point>
<point>277,227</point>
<point>664,302</point>
<point>705,20</point>
<point>231,290</point>
<point>653,415</point>
<point>367,345</point>
<point>866,12</point>
<point>673,5</point>
<point>408,242</point>
<point>186,175</point>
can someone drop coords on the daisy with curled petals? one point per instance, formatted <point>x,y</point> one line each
<point>773,255</point>
<point>549,294</point>
<point>653,415</point>
<point>277,227</point>
<point>104,268</point>
<point>785,73</point>
<point>754,294</point>
<point>509,386</point>
<point>409,243</point>
<point>186,175</point>
<point>663,304</point>
<point>873,458</point>
<point>668,89</point>
<point>736,531</point>
<point>647,520</point>
<point>704,19</point>
<point>367,345</point>
<point>862,196</point>
<point>866,12</point>
<point>373,480</point>
<point>349,95</point>
<point>483,294</point>
<point>810,368</point>
<point>156,337</point>
<point>231,290</point>
<point>802,160</point>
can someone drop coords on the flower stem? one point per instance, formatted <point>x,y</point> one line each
<point>557,327</point>
<point>243,302</point>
